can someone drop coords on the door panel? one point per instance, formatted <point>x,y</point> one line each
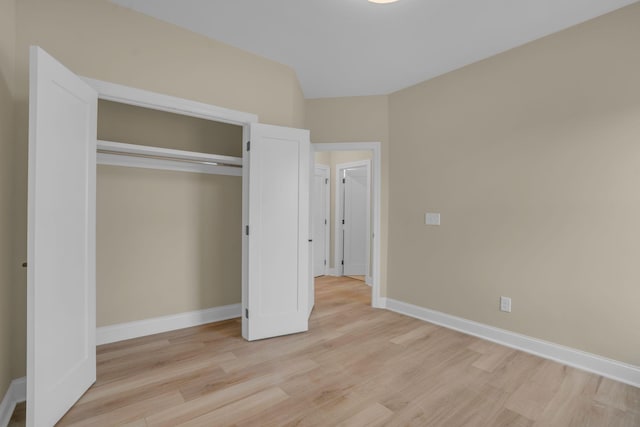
<point>61,358</point>
<point>278,240</point>
<point>355,221</point>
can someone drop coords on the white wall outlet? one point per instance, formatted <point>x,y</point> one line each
<point>432,218</point>
<point>505,304</point>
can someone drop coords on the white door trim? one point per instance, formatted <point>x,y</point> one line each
<point>157,101</point>
<point>327,214</point>
<point>376,149</point>
<point>339,210</point>
<point>142,98</point>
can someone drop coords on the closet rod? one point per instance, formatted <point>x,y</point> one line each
<point>165,157</point>
<point>169,154</point>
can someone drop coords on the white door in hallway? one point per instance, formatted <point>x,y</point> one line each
<point>61,287</point>
<point>320,208</point>
<point>277,234</point>
<point>356,221</point>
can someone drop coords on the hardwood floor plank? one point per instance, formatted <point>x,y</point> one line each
<point>76,417</point>
<point>532,397</point>
<point>508,418</point>
<point>372,415</point>
<point>356,366</point>
<point>214,400</point>
<point>236,412</point>
<point>618,395</point>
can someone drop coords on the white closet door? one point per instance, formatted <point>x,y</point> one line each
<point>278,232</point>
<point>320,208</point>
<point>61,312</point>
<point>355,221</point>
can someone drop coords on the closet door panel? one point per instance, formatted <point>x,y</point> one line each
<point>278,239</point>
<point>61,351</point>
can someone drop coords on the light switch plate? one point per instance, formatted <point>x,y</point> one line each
<point>432,218</point>
<point>505,304</point>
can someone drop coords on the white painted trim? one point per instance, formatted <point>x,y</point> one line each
<point>156,101</point>
<point>16,393</point>
<point>367,280</point>
<point>376,192</point>
<point>609,368</point>
<point>141,328</point>
<point>146,99</point>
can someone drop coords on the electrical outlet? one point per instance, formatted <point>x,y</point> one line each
<point>505,304</point>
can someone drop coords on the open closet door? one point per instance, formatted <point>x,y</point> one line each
<point>277,164</point>
<point>61,312</point>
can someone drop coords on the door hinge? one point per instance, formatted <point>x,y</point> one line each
<point>248,145</point>
<point>246,313</point>
<point>343,222</point>
<point>325,222</point>
<point>246,229</point>
<point>342,262</point>
<point>326,180</point>
<point>344,180</point>
<point>325,262</point>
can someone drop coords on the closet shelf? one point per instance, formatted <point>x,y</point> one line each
<point>142,156</point>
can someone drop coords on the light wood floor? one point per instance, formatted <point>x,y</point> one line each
<point>356,367</point>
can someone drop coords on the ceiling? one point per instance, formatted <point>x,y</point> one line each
<point>353,47</point>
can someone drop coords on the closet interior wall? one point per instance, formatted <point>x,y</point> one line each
<point>168,242</point>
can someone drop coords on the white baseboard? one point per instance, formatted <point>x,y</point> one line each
<point>141,328</point>
<point>16,393</point>
<point>619,371</point>
<point>368,280</point>
<point>332,272</point>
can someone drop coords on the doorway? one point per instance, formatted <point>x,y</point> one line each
<point>348,155</point>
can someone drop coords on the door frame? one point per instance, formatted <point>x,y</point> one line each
<point>326,171</point>
<point>142,98</point>
<point>339,212</point>
<point>376,160</point>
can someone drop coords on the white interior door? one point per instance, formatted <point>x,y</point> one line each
<point>277,167</point>
<point>61,312</point>
<point>320,220</point>
<point>355,226</point>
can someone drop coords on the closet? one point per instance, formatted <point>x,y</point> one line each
<point>276,285</point>
<point>168,223</point>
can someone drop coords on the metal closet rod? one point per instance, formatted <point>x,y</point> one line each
<point>173,159</point>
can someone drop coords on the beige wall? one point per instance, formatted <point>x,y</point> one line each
<point>167,242</point>
<point>98,39</point>
<point>7,260</point>
<point>533,159</point>
<point>356,119</point>
<point>135,125</point>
